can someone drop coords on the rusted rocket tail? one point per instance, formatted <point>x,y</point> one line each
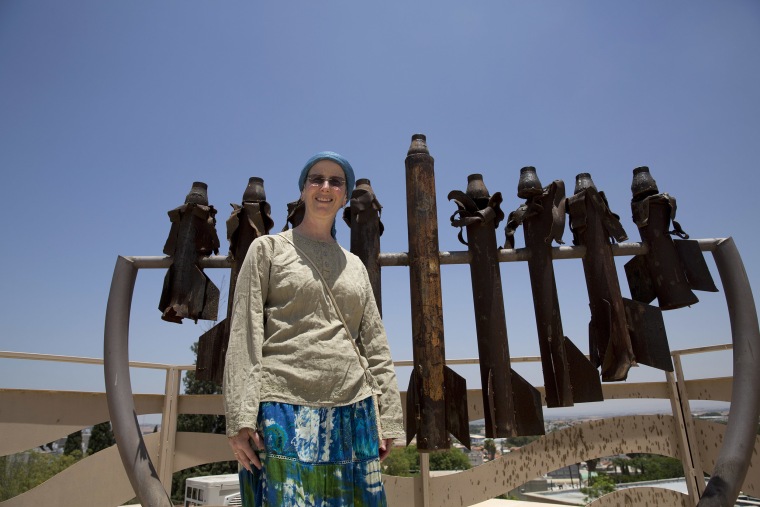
<point>246,222</point>
<point>584,378</point>
<point>529,415</point>
<point>212,350</point>
<point>671,269</point>
<point>455,411</point>
<point>648,337</point>
<point>188,293</point>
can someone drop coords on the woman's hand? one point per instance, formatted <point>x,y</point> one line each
<point>385,447</point>
<point>242,449</point>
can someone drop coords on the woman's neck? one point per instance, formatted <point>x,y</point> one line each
<point>315,230</point>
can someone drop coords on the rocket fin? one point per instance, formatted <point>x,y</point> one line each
<point>639,280</point>
<point>529,415</point>
<point>648,337</point>
<point>188,294</point>
<point>490,411</point>
<point>694,265</point>
<point>584,377</point>
<point>212,349</point>
<point>455,398</point>
<point>210,306</point>
<point>166,297</point>
<point>412,407</point>
<point>599,333</point>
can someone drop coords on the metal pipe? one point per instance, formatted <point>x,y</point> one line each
<point>455,257</point>
<point>84,360</point>
<point>121,405</point>
<point>739,440</point>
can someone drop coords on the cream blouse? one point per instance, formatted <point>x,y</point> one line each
<point>288,344</point>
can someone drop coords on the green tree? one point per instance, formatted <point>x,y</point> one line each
<point>24,471</point>
<point>598,485</point>
<point>398,463</point>
<point>200,424</point>
<point>405,461</point>
<point>521,441</point>
<point>591,465</point>
<point>649,467</point>
<point>101,438</point>
<point>490,446</point>
<point>451,459</point>
<point>623,464</point>
<point>73,444</point>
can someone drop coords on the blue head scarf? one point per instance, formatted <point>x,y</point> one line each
<point>338,159</point>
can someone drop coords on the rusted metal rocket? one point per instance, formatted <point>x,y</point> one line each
<point>511,405</point>
<point>436,396</point>
<point>568,375</point>
<point>188,293</point>
<point>622,332</point>
<point>670,269</point>
<point>247,221</point>
<point>363,217</point>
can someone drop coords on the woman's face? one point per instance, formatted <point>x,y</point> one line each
<point>324,192</point>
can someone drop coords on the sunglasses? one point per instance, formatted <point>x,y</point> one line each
<point>318,181</point>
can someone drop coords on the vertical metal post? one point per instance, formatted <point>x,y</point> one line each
<point>684,447</point>
<point>691,434</point>
<point>425,477</point>
<point>169,428</point>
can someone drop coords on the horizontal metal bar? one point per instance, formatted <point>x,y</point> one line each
<point>454,257</point>
<point>699,350</point>
<point>404,362</point>
<point>522,254</point>
<point>85,360</point>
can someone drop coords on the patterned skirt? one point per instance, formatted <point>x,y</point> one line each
<point>316,457</point>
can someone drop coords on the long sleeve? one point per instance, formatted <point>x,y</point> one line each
<point>373,343</point>
<point>242,372</point>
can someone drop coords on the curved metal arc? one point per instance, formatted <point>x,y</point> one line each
<point>121,406</point>
<point>733,459</point>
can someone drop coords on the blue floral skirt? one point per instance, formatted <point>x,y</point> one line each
<point>316,457</point>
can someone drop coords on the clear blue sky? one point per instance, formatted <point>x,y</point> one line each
<point>110,110</point>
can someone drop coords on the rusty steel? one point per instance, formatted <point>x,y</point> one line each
<point>363,217</point>
<point>593,225</point>
<point>480,213</point>
<point>437,396</point>
<point>568,375</point>
<point>188,293</point>
<point>622,332</point>
<point>296,211</point>
<point>247,221</point>
<point>661,273</point>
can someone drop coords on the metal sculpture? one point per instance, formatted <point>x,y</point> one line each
<point>512,406</point>
<point>670,269</point>
<point>247,221</point>
<point>568,375</point>
<point>296,211</point>
<point>188,293</point>
<point>363,217</point>
<point>622,332</point>
<point>436,396</point>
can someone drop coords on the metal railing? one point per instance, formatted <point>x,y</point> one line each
<point>401,491</point>
<point>23,419</point>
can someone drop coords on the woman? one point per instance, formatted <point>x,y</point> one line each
<point>311,412</point>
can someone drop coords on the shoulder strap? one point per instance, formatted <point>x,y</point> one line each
<point>334,303</point>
